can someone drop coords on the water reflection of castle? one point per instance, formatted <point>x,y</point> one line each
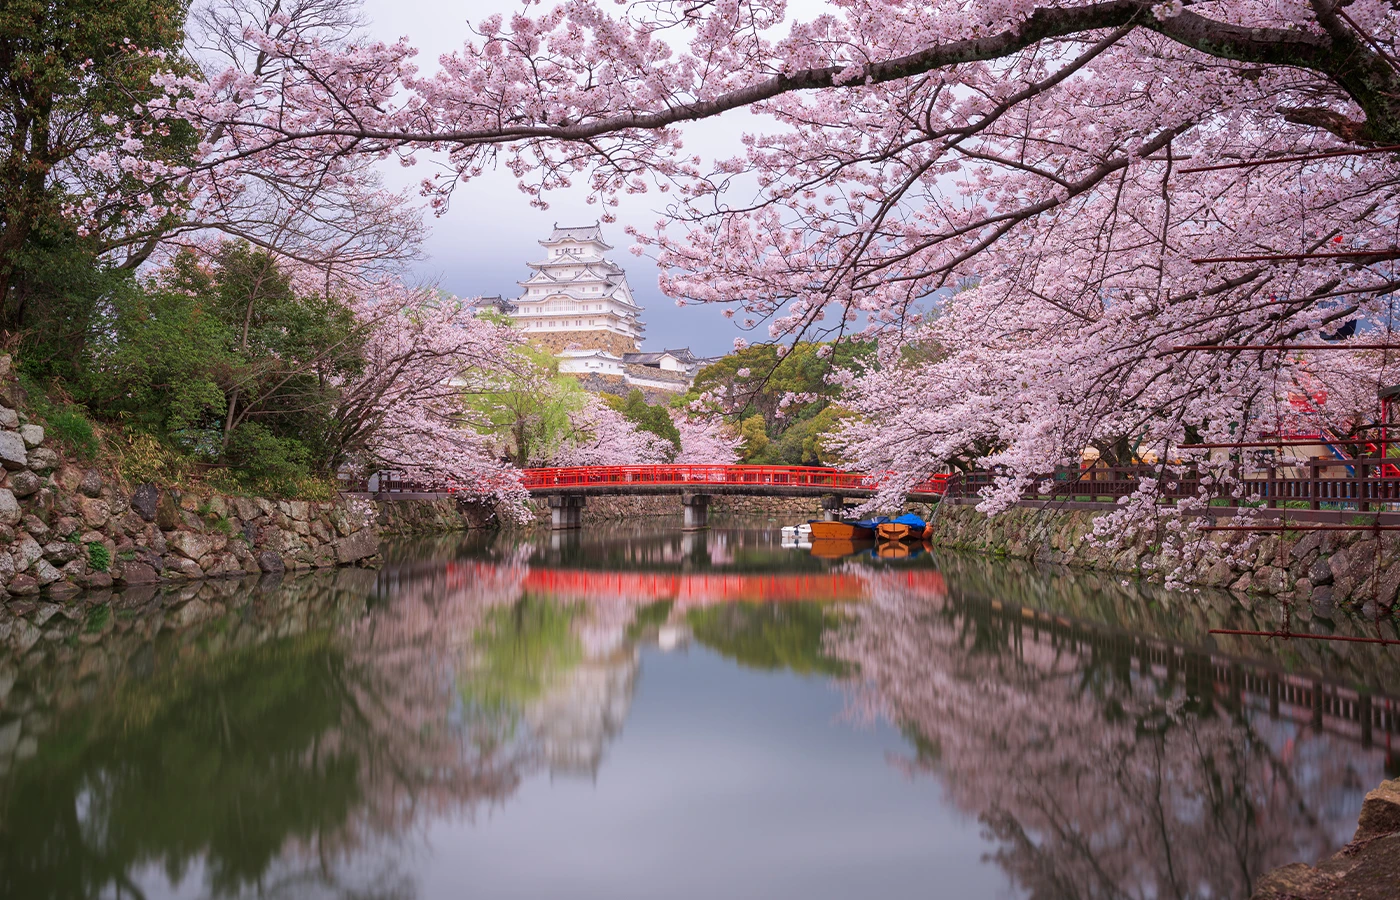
<point>575,721</point>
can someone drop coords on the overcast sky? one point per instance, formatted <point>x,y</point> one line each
<point>481,245</point>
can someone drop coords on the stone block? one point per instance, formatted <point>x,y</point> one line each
<point>62,552</point>
<point>167,511</point>
<point>138,573</point>
<point>45,573</point>
<point>32,435</point>
<point>24,585</point>
<point>340,521</point>
<point>1322,602</point>
<point>37,528</point>
<point>91,483</point>
<point>13,454</point>
<point>190,545</point>
<point>360,545</point>
<point>144,501</point>
<point>221,565</point>
<point>246,508</point>
<point>1380,812</point>
<point>8,418</point>
<point>95,513</point>
<point>181,567</point>
<point>1219,573</point>
<point>10,512</point>
<point>270,561</point>
<point>43,460</point>
<point>26,551</point>
<point>271,537</point>
<point>23,483</point>
<point>68,478</point>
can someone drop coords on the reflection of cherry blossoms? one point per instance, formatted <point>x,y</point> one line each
<point>1096,780</point>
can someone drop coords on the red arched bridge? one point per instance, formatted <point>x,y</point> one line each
<point>567,488</point>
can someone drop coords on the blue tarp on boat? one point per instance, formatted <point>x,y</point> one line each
<point>872,523</point>
<point>911,520</point>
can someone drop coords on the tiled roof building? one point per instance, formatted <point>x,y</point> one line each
<point>578,305</point>
<point>578,297</point>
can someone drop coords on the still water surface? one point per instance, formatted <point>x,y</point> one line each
<point>639,713</point>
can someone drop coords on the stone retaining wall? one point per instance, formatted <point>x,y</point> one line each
<point>415,516</point>
<point>65,526</point>
<point>1324,569</point>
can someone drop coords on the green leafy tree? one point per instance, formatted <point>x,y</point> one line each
<point>529,408</point>
<point>70,73</point>
<point>748,387</point>
<point>645,417</point>
<point>224,361</point>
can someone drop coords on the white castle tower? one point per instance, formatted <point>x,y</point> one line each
<point>576,299</point>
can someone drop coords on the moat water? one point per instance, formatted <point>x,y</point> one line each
<point>641,713</point>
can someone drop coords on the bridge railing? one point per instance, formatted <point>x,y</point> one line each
<point>701,476</point>
<point>697,476</point>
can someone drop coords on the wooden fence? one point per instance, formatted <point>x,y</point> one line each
<point>1311,484</point>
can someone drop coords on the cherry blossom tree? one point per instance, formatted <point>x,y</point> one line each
<point>599,435</point>
<point>1055,163</point>
<point>423,354</point>
<point>706,441</point>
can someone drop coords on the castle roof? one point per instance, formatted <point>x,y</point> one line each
<point>582,233</point>
<point>647,359</point>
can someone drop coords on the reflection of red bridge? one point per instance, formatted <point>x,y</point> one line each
<point>567,488</point>
<point>706,588</point>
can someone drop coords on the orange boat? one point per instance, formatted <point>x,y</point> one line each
<point>894,531</point>
<point>908,527</point>
<point>839,531</point>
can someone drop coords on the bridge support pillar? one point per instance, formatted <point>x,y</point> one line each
<point>697,511</point>
<point>832,507</point>
<point>566,511</point>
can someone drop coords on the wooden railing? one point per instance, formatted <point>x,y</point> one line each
<point>1269,486</point>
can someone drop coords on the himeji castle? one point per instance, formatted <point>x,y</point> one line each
<point>577,304</point>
